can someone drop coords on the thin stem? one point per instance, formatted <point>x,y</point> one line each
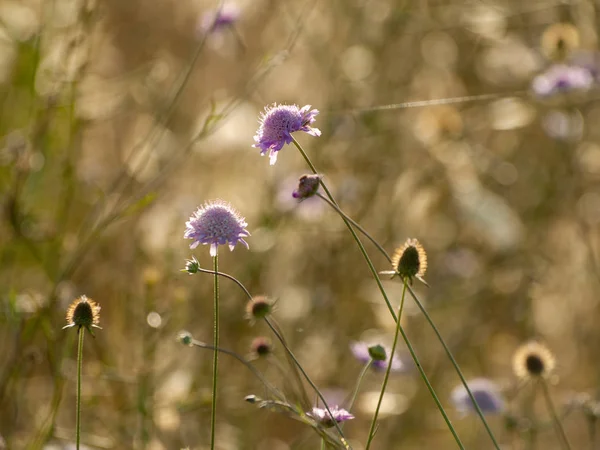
<point>230,277</point>
<point>81,333</point>
<point>213,413</point>
<point>357,226</point>
<point>557,424</point>
<point>387,371</point>
<point>388,304</point>
<point>250,366</point>
<point>456,366</point>
<point>313,385</point>
<point>363,372</point>
<point>322,443</point>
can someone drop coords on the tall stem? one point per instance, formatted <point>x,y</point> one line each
<point>387,371</point>
<point>81,333</point>
<point>213,413</point>
<point>559,428</point>
<point>388,304</point>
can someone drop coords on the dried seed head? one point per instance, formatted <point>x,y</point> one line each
<point>410,261</point>
<point>533,360</point>
<point>260,347</point>
<point>559,40</point>
<point>308,185</point>
<point>258,307</point>
<point>83,312</point>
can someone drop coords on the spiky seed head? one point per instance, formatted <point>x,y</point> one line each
<point>83,312</point>
<point>410,261</point>
<point>258,307</point>
<point>261,346</point>
<point>533,360</point>
<point>559,40</point>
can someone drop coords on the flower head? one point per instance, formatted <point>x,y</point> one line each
<point>378,356</point>
<point>559,40</point>
<point>258,307</point>
<point>278,122</point>
<point>409,260</point>
<point>308,185</point>
<point>219,19</point>
<point>533,360</point>
<point>216,223</point>
<point>83,312</point>
<point>322,416</point>
<point>486,394</point>
<point>562,79</point>
<point>260,347</point>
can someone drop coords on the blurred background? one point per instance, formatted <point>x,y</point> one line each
<point>119,118</point>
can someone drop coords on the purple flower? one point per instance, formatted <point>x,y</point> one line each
<point>278,122</point>
<point>216,223</point>
<point>219,19</point>
<point>486,393</point>
<point>562,78</point>
<point>325,419</point>
<point>365,353</point>
<point>308,185</point>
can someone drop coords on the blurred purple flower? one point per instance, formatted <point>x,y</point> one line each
<point>325,419</point>
<point>216,223</point>
<point>562,78</point>
<point>278,122</point>
<point>219,19</point>
<point>360,350</point>
<point>486,393</point>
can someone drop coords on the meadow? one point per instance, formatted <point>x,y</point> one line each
<point>279,225</point>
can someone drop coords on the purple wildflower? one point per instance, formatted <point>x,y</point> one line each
<point>216,223</point>
<point>326,420</point>
<point>365,353</point>
<point>278,122</point>
<point>308,185</point>
<point>562,78</point>
<point>219,19</point>
<point>486,394</point>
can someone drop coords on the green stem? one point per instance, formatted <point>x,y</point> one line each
<point>387,302</point>
<point>387,371</point>
<point>213,413</point>
<point>313,385</point>
<point>456,367</point>
<point>81,333</point>
<point>559,428</point>
<point>363,372</point>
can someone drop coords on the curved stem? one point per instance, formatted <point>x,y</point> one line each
<point>363,372</point>
<point>313,385</point>
<point>559,428</point>
<point>387,371</point>
<point>230,277</point>
<point>213,413</point>
<point>81,333</point>
<point>387,302</point>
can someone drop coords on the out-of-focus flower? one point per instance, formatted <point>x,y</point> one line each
<point>220,19</point>
<point>533,360</point>
<point>327,420</point>
<point>559,40</point>
<point>562,79</point>
<point>278,122</point>
<point>409,260</point>
<point>308,185</point>
<point>83,312</point>
<point>260,347</point>
<point>486,394</point>
<point>258,307</point>
<point>216,223</point>
<point>377,354</point>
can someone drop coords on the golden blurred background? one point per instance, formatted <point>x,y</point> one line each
<point>120,117</point>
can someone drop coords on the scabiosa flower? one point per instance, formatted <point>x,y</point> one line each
<point>216,223</point>
<point>222,18</point>
<point>322,416</point>
<point>278,122</point>
<point>258,307</point>
<point>83,312</point>
<point>486,394</point>
<point>409,261</point>
<point>377,354</point>
<point>308,185</point>
<point>562,79</point>
<point>533,360</point>
<point>260,347</point>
